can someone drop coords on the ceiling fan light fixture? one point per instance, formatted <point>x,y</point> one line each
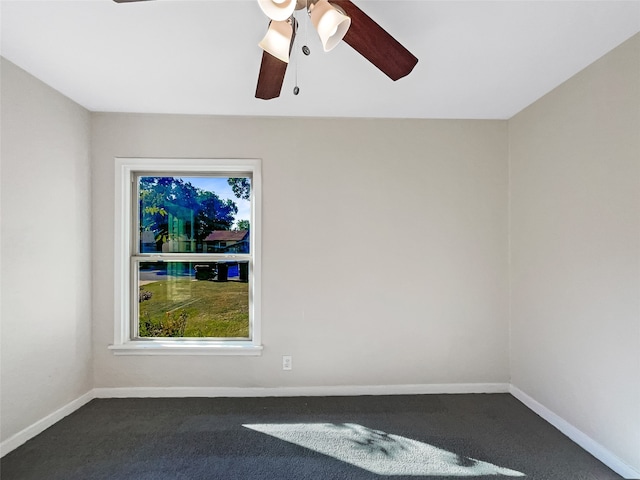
<point>277,41</point>
<point>277,10</point>
<point>330,22</point>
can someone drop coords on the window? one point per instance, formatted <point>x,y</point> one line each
<point>187,266</point>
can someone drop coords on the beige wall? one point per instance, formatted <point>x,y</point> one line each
<point>433,310</point>
<point>575,251</point>
<point>45,250</point>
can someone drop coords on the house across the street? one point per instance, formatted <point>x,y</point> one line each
<point>227,241</point>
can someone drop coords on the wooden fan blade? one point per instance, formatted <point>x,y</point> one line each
<point>127,1</point>
<point>272,70</point>
<point>271,77</point>
<point>374,43</point>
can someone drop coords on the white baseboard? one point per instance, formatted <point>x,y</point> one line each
<point>582,439</point>
<point>41,425</point>
<point>337,390</point>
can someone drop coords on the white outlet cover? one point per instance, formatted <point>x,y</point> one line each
<point>286,362</point>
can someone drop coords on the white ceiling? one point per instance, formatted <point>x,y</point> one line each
<point>477,59</point>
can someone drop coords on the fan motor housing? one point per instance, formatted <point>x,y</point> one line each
<point>300,4</point>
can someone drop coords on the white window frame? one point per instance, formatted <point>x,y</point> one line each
<point>125,283</point>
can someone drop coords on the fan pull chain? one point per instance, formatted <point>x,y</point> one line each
<point>294,56</point>
<point>296,89</point>
<point>305,49</point>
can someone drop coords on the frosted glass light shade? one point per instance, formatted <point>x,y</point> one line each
<point>277,10</point>
<point>330,23</point>
<point>277,41</point>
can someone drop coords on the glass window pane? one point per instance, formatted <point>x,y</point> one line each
<point>196,214</point>
<point>193,299</point>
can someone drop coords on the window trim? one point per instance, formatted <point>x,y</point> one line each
<point>125,170</point>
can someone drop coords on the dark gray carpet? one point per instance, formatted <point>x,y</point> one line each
<point>368,437</point>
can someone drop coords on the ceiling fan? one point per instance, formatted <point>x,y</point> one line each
<point>334,21</point>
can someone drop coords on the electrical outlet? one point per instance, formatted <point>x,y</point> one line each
<point>286,362</point>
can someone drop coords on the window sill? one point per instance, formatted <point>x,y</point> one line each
<point>181,347</point>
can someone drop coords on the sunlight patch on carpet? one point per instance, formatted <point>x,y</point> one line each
<point>380,452</point>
